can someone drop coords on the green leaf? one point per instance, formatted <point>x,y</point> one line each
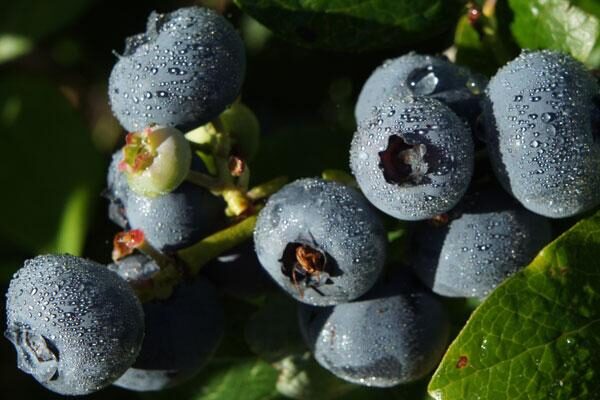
<point>13,46</point>
<point>250,380</point>
<point>239,379</point>
<point>24,22</point>
<point>537,335</point>
<point>51,174</point>
<point>555,24</point>
<point>235,378</point>
<point>352,25</point>
<point>590,6</point>
<point>272,332</point>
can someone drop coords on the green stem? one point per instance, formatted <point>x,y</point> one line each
<point>266,189</point>
<point>197,255</point>
<point>204,180</point>
<point>237,201</point>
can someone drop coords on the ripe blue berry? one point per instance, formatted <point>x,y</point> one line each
<point>182,333</point>
<point>182,72</point>
<point>320,241</point>
<point>178,219</point>
<point>413,159</point>
<point>489,237</point>
<point>422,75</point>
<point>540,133</point>
<point>395,334</point>
<point>171,221</point>
<point>76,325</point>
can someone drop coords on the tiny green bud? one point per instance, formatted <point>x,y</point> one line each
<point>244,129</point>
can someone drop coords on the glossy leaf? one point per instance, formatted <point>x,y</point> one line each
<point>555,24</point>
<point>352,25</point>
<point>537,335</point>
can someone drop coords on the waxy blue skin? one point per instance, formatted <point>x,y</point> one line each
<point>395,334</point>
<point>76,325</point>
<point>170,222</point>
<point>488,237</point>
<point>540,115</point>
<point>333,219</point>
<point>438,164</point>
<point>182,72</point>
<point>182,333</point>
<point>422,75</point>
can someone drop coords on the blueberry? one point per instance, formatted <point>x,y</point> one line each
<point>422,75</point>
<point>239,273</point>
<point>540,133</point>
<point>320,241</point>
<point>76,325</point>
<point>171,221</point>
<point>489,237</point>
<point>395,334</point>
<point>182,72</point>
<point>182,333</point>
<point>178,219</point>
<point>413,159</point>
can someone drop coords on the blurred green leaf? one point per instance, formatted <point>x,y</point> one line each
<point>488,44</point>
<point>242,379</point>
<point>24,22</point>
<point>555,24</point>
<point>590,6</point>
<point>235,378</point>
<point>51,174</point>
<point>537,335</point>
<point>13,46</point>
<point>351,25</point>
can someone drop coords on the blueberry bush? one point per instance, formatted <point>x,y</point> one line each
<point>283,199</point>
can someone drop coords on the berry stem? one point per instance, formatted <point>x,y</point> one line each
<point>197,255</point>
<point>206,181</point>
<point>237,201</point>
<point>266,189</point>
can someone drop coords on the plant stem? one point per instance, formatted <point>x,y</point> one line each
<point>266,189</point>
<point>197,255</point>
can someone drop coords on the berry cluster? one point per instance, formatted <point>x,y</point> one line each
<point>179,189</point>
<point>79,326</point>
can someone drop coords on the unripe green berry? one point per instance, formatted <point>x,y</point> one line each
<point>156,160</point>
